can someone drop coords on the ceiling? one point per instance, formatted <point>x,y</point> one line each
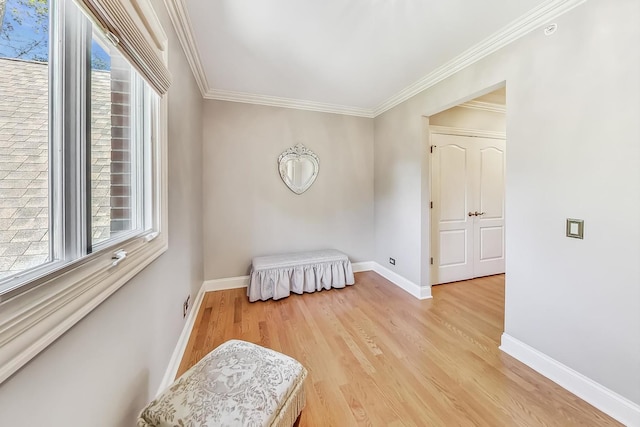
<point>350,56</point>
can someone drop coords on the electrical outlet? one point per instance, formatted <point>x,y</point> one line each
<point>185,306</point>
<point>392,261</point>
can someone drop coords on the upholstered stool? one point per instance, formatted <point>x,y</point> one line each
<point>237,384</point>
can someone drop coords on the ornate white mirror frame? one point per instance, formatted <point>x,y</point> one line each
<point>298,168</point>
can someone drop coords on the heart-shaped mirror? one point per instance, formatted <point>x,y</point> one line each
<point>298,168</point>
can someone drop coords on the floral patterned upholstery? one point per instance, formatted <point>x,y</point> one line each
<point>237,384</point>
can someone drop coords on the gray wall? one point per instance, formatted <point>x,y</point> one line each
<point>573,102</point>
<point>106,368</point>
<point>248,211</point>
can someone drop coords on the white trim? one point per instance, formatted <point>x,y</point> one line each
<point>358,267</point>
<point>181,345</point>
<point>226,283</point>
<point>275,101</point>
<point>410,287</point>
<point>484,106</point>
<point>540,15</point>
<point>479,133</point>
<point>30,321</point>
<point>243,281</point>
<point>420,292</point>
<point>607,401</point>
<point>147,15</point>
<point>182,24</point>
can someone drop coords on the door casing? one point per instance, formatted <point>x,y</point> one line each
<point>482,268</point>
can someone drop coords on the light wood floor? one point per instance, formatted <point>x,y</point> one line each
<point>377,356</point>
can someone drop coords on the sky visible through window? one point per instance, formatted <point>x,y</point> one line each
<point>25,107</point>
<point>24,33</point>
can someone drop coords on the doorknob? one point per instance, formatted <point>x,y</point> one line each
<point>472,214</point>
<point>476,213</point>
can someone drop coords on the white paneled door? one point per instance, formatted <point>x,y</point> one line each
<point>467,217</point>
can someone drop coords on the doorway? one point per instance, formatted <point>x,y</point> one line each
<point>467,150</point>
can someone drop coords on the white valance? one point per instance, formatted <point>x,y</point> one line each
<point>116,20</point>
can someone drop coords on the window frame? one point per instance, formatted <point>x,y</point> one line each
<point>34,314</point>
<point>139,166</point>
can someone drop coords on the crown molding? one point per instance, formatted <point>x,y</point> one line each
<point>275,101</point>
<point>182,24</point>
<point>484,106</point>
<point>478,133</point>
<point>538,16</point>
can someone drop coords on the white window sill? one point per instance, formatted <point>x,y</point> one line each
<point>32,320</point>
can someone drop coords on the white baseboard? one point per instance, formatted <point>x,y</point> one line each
<point>607,401</point>
<point>396,279</point>
<point>243,282</point>
<point>226,283</point>
<point>405,284</point>
<point>181,346</point>
<point>359,267</point>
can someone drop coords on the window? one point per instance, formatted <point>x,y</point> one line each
<point>24,137</point>
<point>82,161</point>
<point>119,142</point>
<point>75,132</point>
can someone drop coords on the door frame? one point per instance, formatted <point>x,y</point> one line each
<point>447,100</point>
<point>447,130</point>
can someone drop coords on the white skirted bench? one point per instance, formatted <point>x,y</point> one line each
<point>237,384</point>
<point>277,276</point>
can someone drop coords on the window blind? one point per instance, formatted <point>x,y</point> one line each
<point>120,27</point>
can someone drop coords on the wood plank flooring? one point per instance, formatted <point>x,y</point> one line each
<point>377,356</point>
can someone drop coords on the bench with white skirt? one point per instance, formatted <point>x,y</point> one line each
<point>276,276</point>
